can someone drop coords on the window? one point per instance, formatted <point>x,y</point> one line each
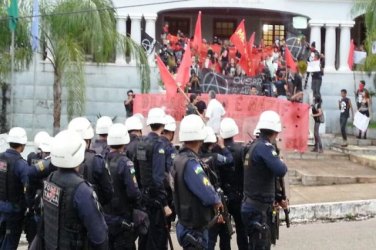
<point>178,23</point>
<point>224,28</point>
<point>271,32</point>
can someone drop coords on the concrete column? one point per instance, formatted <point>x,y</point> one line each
<point>316,33</point>
<point>150,20</point>
<point>344,45</point>
<point>121,29</point>
<point>330,46</point>
<point>136,27</point>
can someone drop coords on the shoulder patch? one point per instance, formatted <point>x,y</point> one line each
<point>274,153</point>
<point>268,144</point>
<point>130,163</point>
<point>198,169</point>
<point>161,151</point>
<point>132,171</point>
<point>206,181</point>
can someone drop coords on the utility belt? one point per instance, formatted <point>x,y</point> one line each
<point>259,205</point>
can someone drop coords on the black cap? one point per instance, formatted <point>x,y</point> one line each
<point>313,44</point>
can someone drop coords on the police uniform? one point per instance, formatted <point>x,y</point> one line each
<point>131,153</point>
<point>100,147</point>
<point>261,166</point>
<point>194,197</point>
<point>71,214</point>
<point>152,161</point>
<point>93,169</point>
<point>14,177</point>
<point>233,189</point>
<point>217,163</point>
<point>118,212</point>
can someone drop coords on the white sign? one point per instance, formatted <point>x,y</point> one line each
<point>361,121</point>
<point>374,47</point>
<point>313,66</point>
<point>359,57</point>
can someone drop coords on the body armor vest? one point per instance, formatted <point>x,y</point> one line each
<point>131,153</point>
<point>259,181</point>
<point>62,228</point>
<point>237,173</point>
<point>119,204</point>
<point>86,167</point>
<point>145,160</point>
<point>11,188</point>
<point>191,212</point>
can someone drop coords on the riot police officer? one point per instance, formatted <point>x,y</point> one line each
<point>101,129</point>
<point>71,213</point>
<point>14,179</point>
<point>93,168</point>
<point>127,196</point>
<point>194,196</point>
<point>232,187</point>
<point>34,157</point>
<point>261,166</point>
<point>134,127</point>
<point>170,152</point>
<point>152,161</point>
<point>216,157</point>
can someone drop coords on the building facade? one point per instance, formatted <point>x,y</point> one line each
<point>328,23</point>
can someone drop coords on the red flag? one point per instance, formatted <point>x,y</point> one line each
<point>167,79</point>
<point>290,63</point>
<point>183,75</point>
<point>250,44</point>
<point>197,39</point>
<point>251,66</point>
<point>239,40</point>
<point>350,60</point>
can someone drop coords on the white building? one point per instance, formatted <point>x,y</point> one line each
<point>329,23</point>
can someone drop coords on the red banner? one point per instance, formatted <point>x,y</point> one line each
<point>245,110</point>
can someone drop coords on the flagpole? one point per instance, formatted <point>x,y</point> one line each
<point>34,87</point>
<point>12,83</point>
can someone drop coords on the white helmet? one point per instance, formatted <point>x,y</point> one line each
<point>170,123</point>
<point>192,128</point>
<point>140,116</point>
<point>103,125</point>
<point>82,126</point>
<point>67,149</point>
<point>156,116</point>
<point>269,120</point>
<point>39,137</point>
<point>133,123</point>
<point>228,128</point>
<point>210,137</point>
<point>118,135</point>
<point>17,135</point>
<point>45,144</point>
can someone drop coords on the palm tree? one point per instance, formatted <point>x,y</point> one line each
<point>73,30</point>
<point>368,7</point>
<point>23,56</point>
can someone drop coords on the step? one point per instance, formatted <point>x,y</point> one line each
<point>352,140</point>
<point>365,160</point>
<point>295,180</point>
<point>354,149</point>
<point>308,180</point>
<point>327,155</point>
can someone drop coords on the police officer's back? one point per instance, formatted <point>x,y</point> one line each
<point>194,196</point>
<point>134,127</point>
<point>101,129</point>
<point>93,168</point>
<point>152,162</point>
<point>232,187</point>
<point>127,196</point>
<point>14,177</point>
<point>261,166</point>
<point>71,213</point>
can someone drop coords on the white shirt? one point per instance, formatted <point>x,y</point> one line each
<point>214,112</point>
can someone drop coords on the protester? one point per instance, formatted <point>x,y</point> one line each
<point>128,104</point>
<point>365,109</point>
<point>316,114</point>
<point>191,106</point>
<point>344,105</point>
<point>214,112</point>
<point>359,93</point>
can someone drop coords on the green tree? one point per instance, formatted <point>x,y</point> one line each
<point>72,31</point>
<point>368,7</point>
<point>22,54</point>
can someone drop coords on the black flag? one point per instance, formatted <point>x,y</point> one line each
<point>147,42</point>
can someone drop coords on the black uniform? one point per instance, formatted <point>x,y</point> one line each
<point>215,164</point>
<point>152,161</point>
<point>131,153</point>
<point>126,198</point>
<point>262,165</point>
<point>100,147</point>
<point>93,169</point>
<point>71,214</point>
<point>233,189</point>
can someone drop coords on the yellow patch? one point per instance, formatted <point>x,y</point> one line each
<point>41,166</point>
<point>206,181</point>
